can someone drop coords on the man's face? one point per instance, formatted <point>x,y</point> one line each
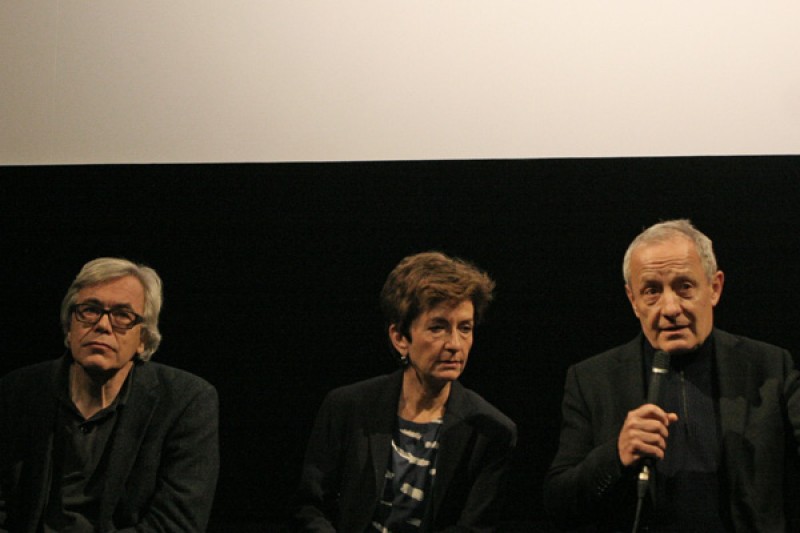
<point>671,295</point>
<point>441,339</point>
<point>100,348</point>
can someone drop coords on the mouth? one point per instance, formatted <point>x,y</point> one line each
<point>674,329</point>
<point>97,344</point>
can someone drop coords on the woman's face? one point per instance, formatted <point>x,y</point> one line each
<point>441,339</point>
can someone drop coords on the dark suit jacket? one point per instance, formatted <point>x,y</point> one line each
<point>350,447</point>
<point>759,412</point>
<point>163,465</point>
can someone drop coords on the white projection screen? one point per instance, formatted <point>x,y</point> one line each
<point>197,81</point>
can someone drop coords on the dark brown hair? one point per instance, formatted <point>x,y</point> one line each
<point>423,281</point>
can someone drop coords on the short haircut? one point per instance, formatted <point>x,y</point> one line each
<point>106,269</point>
<point>664,231</point>
<point>422,281</point>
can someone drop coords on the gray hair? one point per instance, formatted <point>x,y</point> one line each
<point>108,268</point>
<point>664,231</point>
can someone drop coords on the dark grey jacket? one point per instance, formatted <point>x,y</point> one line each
<point>164,461</point>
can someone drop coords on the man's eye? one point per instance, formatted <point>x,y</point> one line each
<point>685,288</point>
<point>91,310</point>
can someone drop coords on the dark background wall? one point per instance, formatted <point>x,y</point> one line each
<point>272,274</point>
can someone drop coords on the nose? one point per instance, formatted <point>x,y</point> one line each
<point>104,324</point>
<point>670,304</point>
<point>454,341</point>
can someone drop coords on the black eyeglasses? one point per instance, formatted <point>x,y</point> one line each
<point>120,317</point>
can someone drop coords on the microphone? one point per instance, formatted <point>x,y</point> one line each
<point>660,370</point>
<point>657,375</point>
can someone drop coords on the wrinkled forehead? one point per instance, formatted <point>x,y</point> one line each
<point>671,256</point>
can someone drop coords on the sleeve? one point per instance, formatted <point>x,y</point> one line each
<point>485,503</point>
<point>188,473</point>
<point>4,466</point>
<point>791,393</point>
<point>791,467</point>
<point>316,499</point>
<point>585,477</point>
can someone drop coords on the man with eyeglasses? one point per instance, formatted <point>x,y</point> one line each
<point>102,439</point>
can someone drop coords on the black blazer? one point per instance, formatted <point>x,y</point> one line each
<point>759,411</point>
<point>163,464</point>
<point>350,447</point>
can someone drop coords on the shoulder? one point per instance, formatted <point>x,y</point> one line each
<point>364,394</point>
<point>30,378</point>
<point>732,351</point>
<point>740,343</point>
<point>172,381</point>
<point>628,353</point>
<point>478,411</point>
<point>371,401</point>
<point>366,387</point>
<point>26,372</point>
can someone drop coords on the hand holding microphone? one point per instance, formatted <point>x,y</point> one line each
<point>644,433</point>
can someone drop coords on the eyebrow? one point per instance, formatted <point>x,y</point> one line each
<point>446,321</point>
<point>102,304</point>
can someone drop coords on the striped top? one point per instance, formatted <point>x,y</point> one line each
<point>409,477</point>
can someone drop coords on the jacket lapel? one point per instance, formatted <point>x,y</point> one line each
<point>732,372</point>
<point>630,375</point>
<point>380,423</point>
<point>455,436</point>
<point>128,434</point>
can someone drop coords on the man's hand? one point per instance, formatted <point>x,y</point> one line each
<point>644,433</point>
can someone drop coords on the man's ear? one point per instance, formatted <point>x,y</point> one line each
<point>717,281</point>
<point>140,348</point>
<point>398,340</point>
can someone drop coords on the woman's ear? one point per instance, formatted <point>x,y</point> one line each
<point>399,340</point>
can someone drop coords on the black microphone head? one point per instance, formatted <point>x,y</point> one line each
<point>658,374</point>
<point>661,362</point>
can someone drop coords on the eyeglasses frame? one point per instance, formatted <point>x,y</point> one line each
<point>73,309</point>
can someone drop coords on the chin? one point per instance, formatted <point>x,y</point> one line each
<point>679,347</point>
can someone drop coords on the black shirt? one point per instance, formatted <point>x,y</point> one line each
<point>80,457</point>
<point>687,488</point>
